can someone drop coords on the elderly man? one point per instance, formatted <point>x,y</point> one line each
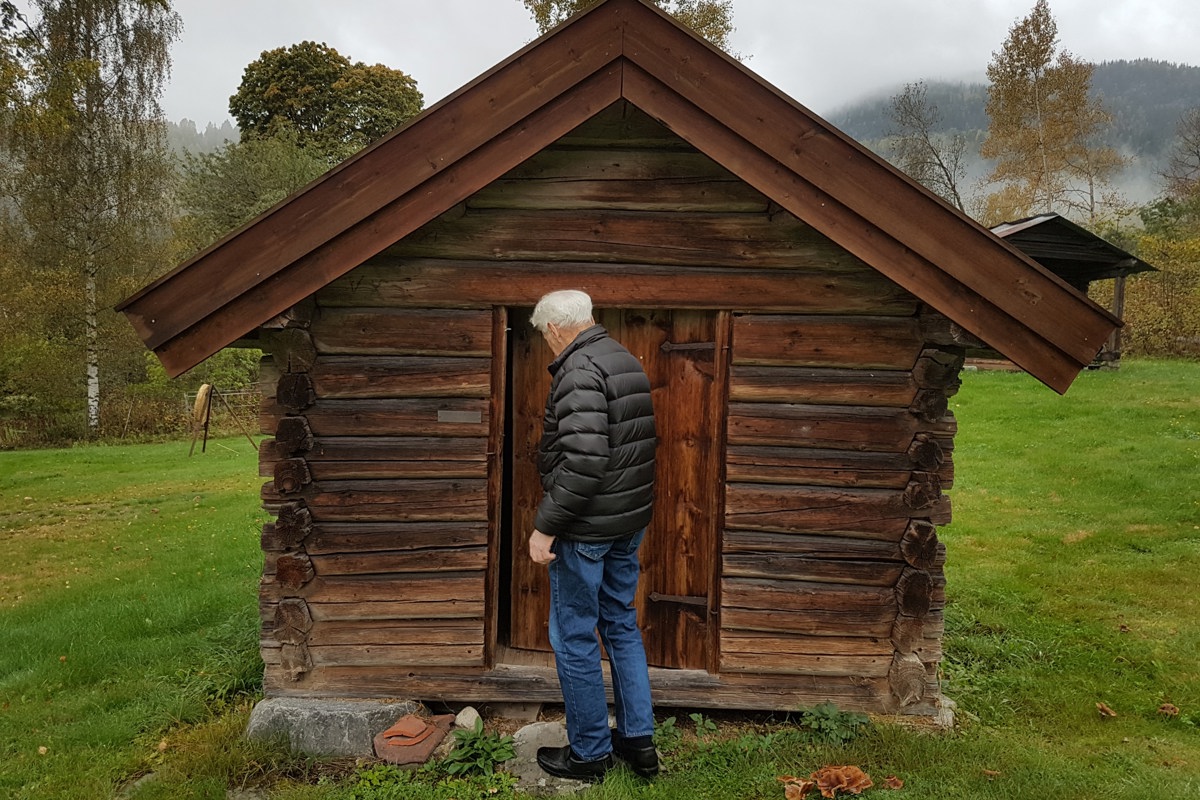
<point>596,459</point>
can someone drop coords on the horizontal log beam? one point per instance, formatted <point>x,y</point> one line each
<point>805,341</point>
<point>775,384</point>
<point>395,332</point>
<point>408,282</point>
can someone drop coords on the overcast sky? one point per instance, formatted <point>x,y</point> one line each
<point>825,54</point>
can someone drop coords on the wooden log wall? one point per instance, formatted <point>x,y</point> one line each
<point>379,481</point>
<point>838,449</point>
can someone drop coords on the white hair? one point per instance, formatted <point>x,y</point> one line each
<point>569,308</point>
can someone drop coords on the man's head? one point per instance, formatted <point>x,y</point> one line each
<point>560,316</point>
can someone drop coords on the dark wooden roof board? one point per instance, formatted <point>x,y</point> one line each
<point>622,49</point>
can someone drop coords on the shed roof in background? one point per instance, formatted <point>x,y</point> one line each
<point>1070,251</point>
<point>622,49</point>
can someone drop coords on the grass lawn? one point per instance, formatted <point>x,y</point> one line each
<point>128,627</point>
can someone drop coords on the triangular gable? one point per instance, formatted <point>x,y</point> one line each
<point>632,50</point>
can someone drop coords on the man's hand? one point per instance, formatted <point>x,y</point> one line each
<point>539,547</point>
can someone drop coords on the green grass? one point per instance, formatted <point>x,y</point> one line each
<point>127,606</point>
<point>1073,576</point>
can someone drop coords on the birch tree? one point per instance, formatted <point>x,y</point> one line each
<point>87,168</point>
<point>1043,129</point>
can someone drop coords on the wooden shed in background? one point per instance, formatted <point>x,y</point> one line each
<point>800,307</point>
<point>1079,257</point>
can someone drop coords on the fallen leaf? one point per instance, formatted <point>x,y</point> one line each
<point>1169,710</point>
<point>43,750</point>
<point>797,791</point>
<point>831,780</point>
<point>992,773</point>
<point>1105,711</point>
<point>795,788</point>
<point>63,659</point>
<point>892,782</point>
<point>162,746</point>
<point>1124,628</point>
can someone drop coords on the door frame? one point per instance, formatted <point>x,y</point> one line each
<point>499,586</point>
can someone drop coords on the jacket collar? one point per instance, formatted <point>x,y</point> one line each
<point>582,339</point>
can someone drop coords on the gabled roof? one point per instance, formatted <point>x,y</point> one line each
<point>621,49</point>
<point>1070,251</point>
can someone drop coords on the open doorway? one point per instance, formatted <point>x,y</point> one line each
<point>684,356</point>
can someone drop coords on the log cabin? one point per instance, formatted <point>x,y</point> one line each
<point>801,308</point>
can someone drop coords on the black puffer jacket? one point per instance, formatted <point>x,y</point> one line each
<point>597,450</point>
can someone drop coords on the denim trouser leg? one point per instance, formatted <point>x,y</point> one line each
<point>592,587</point>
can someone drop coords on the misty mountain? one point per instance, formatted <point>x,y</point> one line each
<point>1145,97</point>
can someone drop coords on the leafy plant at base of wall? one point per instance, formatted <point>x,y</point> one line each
<point>667,735</point>
<point>704,726</point>
<point>825,723</point>
<point>478,752</point>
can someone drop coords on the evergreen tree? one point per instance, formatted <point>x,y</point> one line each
<point>85,168</point>
<point>1044,128</point>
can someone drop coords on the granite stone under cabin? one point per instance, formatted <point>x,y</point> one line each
<point>802,310</point>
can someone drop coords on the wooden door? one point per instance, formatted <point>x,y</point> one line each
<point>676,606</point>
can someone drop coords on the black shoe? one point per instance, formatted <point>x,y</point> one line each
<point>642,759</point>
<point>561,762</point>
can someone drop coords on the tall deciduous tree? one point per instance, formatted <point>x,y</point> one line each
<point>712,19</point>
<point>936,160</point>
<point>85,162</point>
<point>1043,129</point>
<point>314,93</point>
<point>1181,177</point>
<point>219,191</point>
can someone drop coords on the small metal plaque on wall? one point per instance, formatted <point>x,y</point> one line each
<point>468,417</point>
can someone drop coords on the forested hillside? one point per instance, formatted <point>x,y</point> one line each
<point>1145,97</point>
<point>185,137</point>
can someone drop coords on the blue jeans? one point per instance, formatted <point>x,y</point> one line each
<point>592,586</point>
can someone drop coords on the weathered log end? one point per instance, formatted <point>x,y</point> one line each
<point>923,490</point>
<point>292,475</point>
<point>292,350</point>
<point>930,405</point>
<point>908,633</point>
<point>295,391</point>
<point>926,453</point>
<point>293,525</point>
<point>920,544</point>
<point>914,593</point>
<point>293,621</point>
<point>295,660</point>
<point>293,570</point>
<point>293,436</point>
<point>907,678</point>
